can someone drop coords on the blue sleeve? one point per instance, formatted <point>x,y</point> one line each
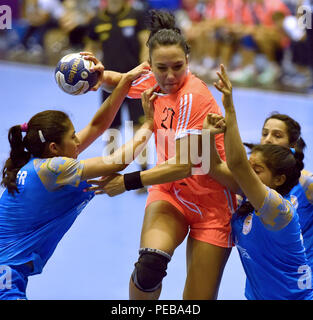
<point>59,171</point>
<point>276,211</point>
<point>306,181</point>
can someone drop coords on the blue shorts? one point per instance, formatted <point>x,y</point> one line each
<point>13,282</point>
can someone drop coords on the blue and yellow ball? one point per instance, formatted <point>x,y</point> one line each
<point>73,75</point>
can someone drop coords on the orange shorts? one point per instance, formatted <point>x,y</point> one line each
<point>209,216</point>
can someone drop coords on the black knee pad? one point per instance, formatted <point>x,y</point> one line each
<point>150,269</point>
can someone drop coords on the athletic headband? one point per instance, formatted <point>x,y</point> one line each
<point>24,127</point>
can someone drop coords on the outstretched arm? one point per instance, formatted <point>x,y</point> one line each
<point>108,79</point>
<point>273,210</point>
<point>236,156</point>
<point>173,169</point>
<point>218,168</point>
<point>119,160</point>
<point>106,113</point>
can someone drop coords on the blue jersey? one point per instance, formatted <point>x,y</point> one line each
<point>304,193</point>
<point>275,262</point>
<point>33,221</point>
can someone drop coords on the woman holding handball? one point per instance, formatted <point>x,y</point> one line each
<point>46,184</point>
<point>179,201</point>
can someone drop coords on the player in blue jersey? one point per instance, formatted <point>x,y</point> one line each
<point>45,183</point>
<point>281,129</point>
<point>267,231</point>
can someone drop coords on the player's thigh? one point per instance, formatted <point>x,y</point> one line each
<point>164,227</point>
<point>205,266</point>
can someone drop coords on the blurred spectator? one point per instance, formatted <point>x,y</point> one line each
<point>260,30</point>
<point>76,18</point>
<point>260,38</point>
<point>73,26</point>
<point>309,33</point>
<point>171,5</point>
<point>299,69</point>
<point>51,28</point>
<point>220,41</point>
<point>7,36</point>
<point>39,17</point>
<point>206,27</point>
<point>119,34</point>
<point>188,18</point>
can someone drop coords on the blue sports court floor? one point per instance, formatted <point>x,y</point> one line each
<point>95,258</point>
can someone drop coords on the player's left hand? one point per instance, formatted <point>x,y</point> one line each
<point>111,185</point>
<point>147,99</point>
<point>224,85</point>
<point>140,70</point>
<point>215,123</point>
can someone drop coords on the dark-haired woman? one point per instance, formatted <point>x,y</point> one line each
<point>45,183</point>
<point>281,129</point>
<point>180,201</point>
<point>268,237</point>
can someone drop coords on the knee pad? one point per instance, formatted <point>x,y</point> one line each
<point>150,269</point>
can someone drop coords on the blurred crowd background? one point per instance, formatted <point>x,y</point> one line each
<point>261,42</point>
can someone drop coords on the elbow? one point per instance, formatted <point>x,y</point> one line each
<point>237,159</point>
<point>235,164</point>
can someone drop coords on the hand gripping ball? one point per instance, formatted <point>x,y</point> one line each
<point>73,76</point>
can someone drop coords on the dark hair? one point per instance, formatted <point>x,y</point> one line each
<point>164,31</point>
<point>53,125</point>
<point>280,160</point>
<point>293,129</point>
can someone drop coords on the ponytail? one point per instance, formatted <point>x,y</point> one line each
<point>18,158</point>
<point>164,31</point>
<point>43,128</point>
<point>299,155</point>
<point>300,145</point>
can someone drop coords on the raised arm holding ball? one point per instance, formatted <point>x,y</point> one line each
<point>45,183</point>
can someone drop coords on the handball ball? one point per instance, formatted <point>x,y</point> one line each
<point>73,76</point>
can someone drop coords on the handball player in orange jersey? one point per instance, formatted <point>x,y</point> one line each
<point>179,202</point>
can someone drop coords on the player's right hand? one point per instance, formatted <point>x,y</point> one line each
<point>97,68</point>
<point>147,99</point>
